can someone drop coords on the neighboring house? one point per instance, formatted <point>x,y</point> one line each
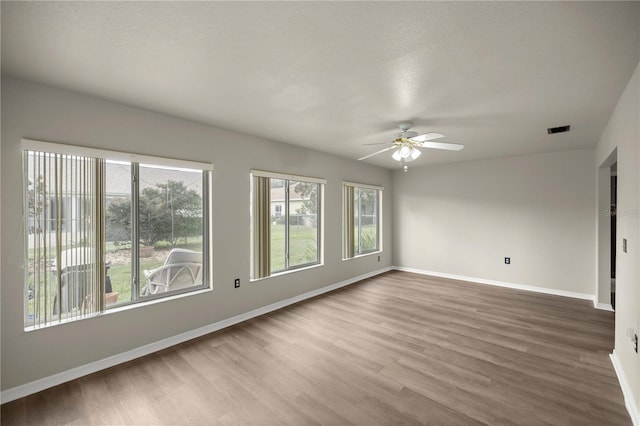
<point>296,202</point>
<point>278,200</point>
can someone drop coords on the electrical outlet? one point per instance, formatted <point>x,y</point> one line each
<point>624,246</point>
<point>378,258</point>
<point>633,336</point>
<point>507,261</point>
<point>236,283</point>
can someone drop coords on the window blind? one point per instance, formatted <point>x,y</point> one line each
<point>261,227</point>
<point>63,206</point>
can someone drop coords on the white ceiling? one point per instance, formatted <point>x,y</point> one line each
<point>332,76</point>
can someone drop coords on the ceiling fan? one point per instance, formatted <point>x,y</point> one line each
<point>407,143</point>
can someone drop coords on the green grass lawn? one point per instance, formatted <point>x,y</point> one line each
<point>121,277</point>
<point>119,273</point>
<point>302,246</point>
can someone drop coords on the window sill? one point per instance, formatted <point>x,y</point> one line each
<point>369,253</point>
<point>123,307</point>
<point>152,301</point>
<point>290,271</point>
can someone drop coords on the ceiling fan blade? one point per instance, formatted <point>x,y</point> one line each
<point>427,137</point>
<point>442,145</point>
<point>378,143</point>
<point>376,153</point>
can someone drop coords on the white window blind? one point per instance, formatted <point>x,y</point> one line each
<point>65,233</point>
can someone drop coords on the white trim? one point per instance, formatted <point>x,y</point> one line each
<point>629,400</point>
<point>524,287</point>
<point>358,256</point>
<point>379,218</point>
<point>274,175</point>
<point>603,306</point>
<point>287,271</point>
<point>65,376</point>
<point>60,148</point>
<point>363,185</point>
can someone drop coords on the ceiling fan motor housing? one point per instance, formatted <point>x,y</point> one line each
<point>405,126</point>
<point>407,135</point>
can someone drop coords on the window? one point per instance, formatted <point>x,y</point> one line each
<point>361,222</point>
<point>108,229</point>
<point>286,222</point>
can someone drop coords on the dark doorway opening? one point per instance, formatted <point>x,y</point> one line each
<point>612,215</point>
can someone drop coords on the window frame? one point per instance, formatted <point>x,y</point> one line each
<point>136,284</point>
<point>287,178</point>
<point>134,160</point>
<point>347,236</point>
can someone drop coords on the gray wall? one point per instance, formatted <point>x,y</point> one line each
<point>43,113</point>
<point>465,218</point>
<point>623,135</point>
<point>460,219</point>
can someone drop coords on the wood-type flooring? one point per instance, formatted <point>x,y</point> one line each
<point>398,348</point>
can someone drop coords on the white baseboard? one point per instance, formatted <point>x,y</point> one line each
<point>65,376</point>
<point>535,289</point>
<point>629,399</point>
<point>603,306</point>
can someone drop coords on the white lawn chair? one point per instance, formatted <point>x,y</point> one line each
<point>77,266</point>
<point>182,268</point>
<point>75,287</point>
<point>76,272</point>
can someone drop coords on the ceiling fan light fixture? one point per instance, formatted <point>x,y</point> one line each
<point>405,151</point>
<point>406,143</point>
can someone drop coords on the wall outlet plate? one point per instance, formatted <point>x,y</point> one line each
<point>631,333</point>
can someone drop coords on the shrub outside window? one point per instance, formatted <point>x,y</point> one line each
<point>361,219</point>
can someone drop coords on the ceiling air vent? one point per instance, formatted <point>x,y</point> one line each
<point>560,129</point>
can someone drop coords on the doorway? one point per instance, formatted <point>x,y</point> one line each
<point>606,229</point>
<point>612,216</point>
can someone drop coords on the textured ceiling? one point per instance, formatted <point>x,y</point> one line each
<point>332,76</point>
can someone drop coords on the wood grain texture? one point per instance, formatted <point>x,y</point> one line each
<point>398,348</point>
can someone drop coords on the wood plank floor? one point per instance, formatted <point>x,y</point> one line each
<point>398,348</point>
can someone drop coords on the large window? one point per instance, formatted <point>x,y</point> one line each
<point>286,218</point>
<point>108,229</point>
<point>361,222</point>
